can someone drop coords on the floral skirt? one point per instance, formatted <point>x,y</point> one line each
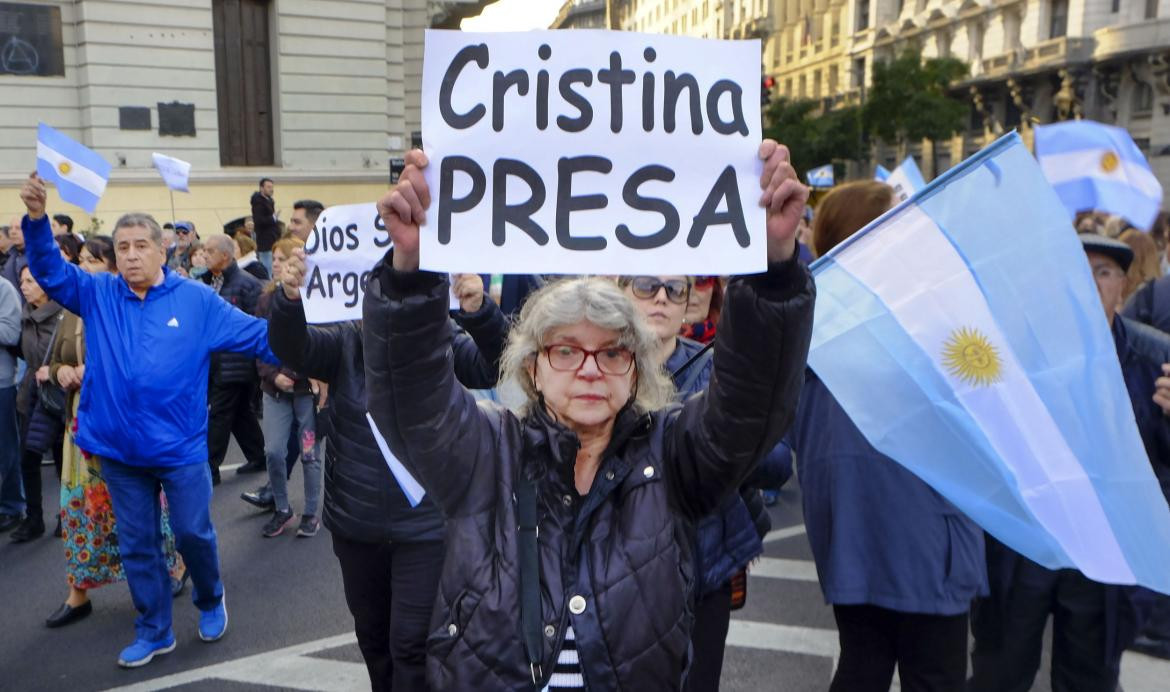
<point>87,521</point>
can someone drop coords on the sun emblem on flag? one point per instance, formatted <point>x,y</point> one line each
<point>63,168</point>
<point>1110,162</point>
<point>970,356</point>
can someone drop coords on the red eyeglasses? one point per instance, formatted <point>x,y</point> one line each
<point>705,281</point>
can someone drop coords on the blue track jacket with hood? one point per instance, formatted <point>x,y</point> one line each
<point>144,401</point>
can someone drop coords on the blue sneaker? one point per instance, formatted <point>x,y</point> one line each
<point>213,623</point>
<point>141,651</point>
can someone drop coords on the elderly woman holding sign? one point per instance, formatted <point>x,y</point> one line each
<point>569,557</point>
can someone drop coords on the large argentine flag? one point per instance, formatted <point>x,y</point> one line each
<point>963,334</point>
<point>1095,166</point>
<point>79,173</point>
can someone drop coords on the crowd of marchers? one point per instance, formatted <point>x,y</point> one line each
<point>589,525</point>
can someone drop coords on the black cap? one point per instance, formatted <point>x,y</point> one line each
<point>1115,249</point>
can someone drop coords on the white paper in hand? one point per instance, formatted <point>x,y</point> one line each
<point>410,487</point>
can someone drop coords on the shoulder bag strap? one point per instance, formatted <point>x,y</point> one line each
<point>53,338</point>
<point>527,533</point>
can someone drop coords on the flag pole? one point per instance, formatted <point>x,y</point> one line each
<point>173,218</point>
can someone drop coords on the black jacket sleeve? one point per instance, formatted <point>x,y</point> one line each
<point>478,345</point>
<point>760,355</point>
<point>430,422</point>
<point>311,351</point>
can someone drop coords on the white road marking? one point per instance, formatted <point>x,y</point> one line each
<point>786,532</point>
<point>780,568</point>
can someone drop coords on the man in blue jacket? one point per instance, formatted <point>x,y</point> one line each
<point>143,410</point>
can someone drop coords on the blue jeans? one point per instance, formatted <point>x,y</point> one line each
<point>11,487</point>
<point>266,259</point>
<point>134,494</point>
<point>280,413</point>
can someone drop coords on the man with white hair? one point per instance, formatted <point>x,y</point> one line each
<point>149,338</point>
<point>233,375</point>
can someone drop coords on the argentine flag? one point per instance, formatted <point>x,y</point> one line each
<point>881,173</point>
<point>1095,166</point>
<point>963,333</point>
<point>79,173</point>
<point>821,176</point>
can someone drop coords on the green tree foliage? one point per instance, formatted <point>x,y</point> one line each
<point>909,101</point>
<point>814,138</point>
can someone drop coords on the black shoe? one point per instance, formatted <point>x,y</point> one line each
<point>177,585</point>
<point>252,467</point>
<point>1158,648</point>
<point>67,614</point>
<point>215,479</point>
<point>57,530</point>
<point>260,497</point>
<point>309,527</point>
<point>30,528</point>
<point>9,522</point>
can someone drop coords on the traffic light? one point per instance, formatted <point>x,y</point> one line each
<point>766,85</point>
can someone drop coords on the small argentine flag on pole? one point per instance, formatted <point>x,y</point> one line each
<point>1099,167</point>
<point>79,173</point>
<point>821,176</point>
<point>963,334</point>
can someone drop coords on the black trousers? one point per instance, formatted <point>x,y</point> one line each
<point>712,619</point>
<point>30,473</point>
<point>930,651</point>
<point>231,413</point>
<point>1008,640</point>
<point>390,590</point>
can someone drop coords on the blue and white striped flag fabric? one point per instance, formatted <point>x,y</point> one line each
<point>79,173</point>
<point>821,176</point>
<point>963,334</point>
<point>1098,167</point>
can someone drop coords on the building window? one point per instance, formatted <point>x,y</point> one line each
<point>1115,7</point>
<point>802,89</point>
<point>859,73</point>
<point>1143,98</point>
<point>862,14</point>
<point>243,82</point>
<point>816,84</point>
<point>833,85</point>
<point>1058,26</point>
<point>1151,9</point>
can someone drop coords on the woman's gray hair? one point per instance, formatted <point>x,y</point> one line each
<point>600,302</point>
<point>142,220</point>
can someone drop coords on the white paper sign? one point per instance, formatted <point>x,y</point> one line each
<point>906,180</point>
<point>174,172</point>
<point>346,242</point>
<point>591,152</point>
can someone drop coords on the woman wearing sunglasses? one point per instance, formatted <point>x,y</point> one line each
<point>706,300</point>
<point>732,536</point>
<point>569,522</point>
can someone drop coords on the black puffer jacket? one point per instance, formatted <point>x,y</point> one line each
<point>242,290</point>
<point>620,558</point>
<point>363,502</point>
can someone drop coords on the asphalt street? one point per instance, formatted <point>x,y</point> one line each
<point>289,628</point>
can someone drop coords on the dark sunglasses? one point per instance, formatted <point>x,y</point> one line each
<point>646,288</point>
